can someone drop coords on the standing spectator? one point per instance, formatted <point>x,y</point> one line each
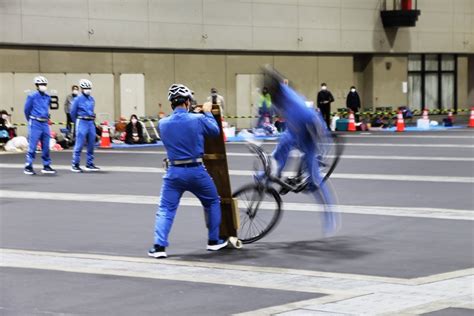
<point>82,112</point>
<point>215,98</point>
<point>134,131</point>
<point>324,101</point>
<point>183,136</point>
<point>37,115</point>
<point>67,106</point>
<point>353,102</point>
<point>264,107</point>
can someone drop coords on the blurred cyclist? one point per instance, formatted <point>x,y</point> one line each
<point>307,132</point>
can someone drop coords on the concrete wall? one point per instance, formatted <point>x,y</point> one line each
<point>285,25</point>
<point>388,74</point>
<point>198,70</point>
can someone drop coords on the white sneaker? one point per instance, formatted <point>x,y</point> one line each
<point>213,245</point>
<point>92,168</point>
<point>157,251</point>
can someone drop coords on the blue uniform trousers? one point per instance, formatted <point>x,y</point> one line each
<point>38,131</point>
<point>197,181</point>
<point>85,130</point>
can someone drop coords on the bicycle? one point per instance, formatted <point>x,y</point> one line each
<point>260,203</point>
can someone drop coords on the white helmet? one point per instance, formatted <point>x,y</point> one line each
<point>178,90</point>
<point>85,84</point>
<point>40,80</point>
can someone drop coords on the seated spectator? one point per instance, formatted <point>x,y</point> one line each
<point>7,131</point>
<point>134,131</point>
<point>121,125</point>
<point>120,128</point>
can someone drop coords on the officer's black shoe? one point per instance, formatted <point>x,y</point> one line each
<point>48,170</point>
<point>92,167</point>
<point>215,245</point>
<point>157,251</point>
<point>29,170</point>
<point>76,168</point>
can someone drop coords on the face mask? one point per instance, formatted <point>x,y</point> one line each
<point>5,117</point>
<point>353,90</point>
<point>134,121</point>
<point>214,94</point>
<point>42,88</point>
<point>323,88</point>
<point>75,92</point>
<point>86,91</point>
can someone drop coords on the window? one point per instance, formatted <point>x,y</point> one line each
<point>432,81</point>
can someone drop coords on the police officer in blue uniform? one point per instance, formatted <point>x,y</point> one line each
<point>183,135</point>
<point>37,116</point>
<point>305,129</point>
<point>82,113</point>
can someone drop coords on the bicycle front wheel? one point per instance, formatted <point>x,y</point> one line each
<point>330,153</point>
<point>259,211</point>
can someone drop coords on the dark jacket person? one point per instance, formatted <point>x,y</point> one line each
<point>353,102</point>
<point>134,131</point>
<point>324,101</point>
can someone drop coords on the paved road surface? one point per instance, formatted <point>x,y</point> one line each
<point>76,243</point>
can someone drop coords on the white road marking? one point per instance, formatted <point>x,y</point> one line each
<point>346,293</point>
<point>295,154</point>
<point>419,212</point>
<point>346,176</point>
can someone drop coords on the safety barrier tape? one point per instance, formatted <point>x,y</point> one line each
<point>341,112</point>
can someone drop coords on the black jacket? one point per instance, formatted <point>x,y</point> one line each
<point>325,95</point>
<point>129,134</point>
<point>353,101</point>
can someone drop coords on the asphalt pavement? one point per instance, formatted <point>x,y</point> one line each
<point>76,243</point>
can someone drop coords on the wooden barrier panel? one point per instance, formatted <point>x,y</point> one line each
<point>215,160</point>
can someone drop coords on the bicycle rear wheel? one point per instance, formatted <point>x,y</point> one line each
<point>259,211</point>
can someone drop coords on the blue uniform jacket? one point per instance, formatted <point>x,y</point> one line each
<point>37,105</point>
<point>83,105</point>
<point>183,133</point>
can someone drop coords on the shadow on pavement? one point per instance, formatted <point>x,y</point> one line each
<point>266,253</point>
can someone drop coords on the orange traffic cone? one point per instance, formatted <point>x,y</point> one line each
<point>425,114</point>
<point>105,137</point>
<point>471,119</point>
<point>400,122</point>
<point>351,127</point>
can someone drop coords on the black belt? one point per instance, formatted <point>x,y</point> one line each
<point>187,165</point>
<point>86,118</point>
<point>39,119</point>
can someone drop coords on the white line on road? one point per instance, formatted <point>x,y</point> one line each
<point>293,154</point>
<point>419,212</point>
<point>345,176</point>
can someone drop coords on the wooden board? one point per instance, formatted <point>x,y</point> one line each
<point>215,160</point>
